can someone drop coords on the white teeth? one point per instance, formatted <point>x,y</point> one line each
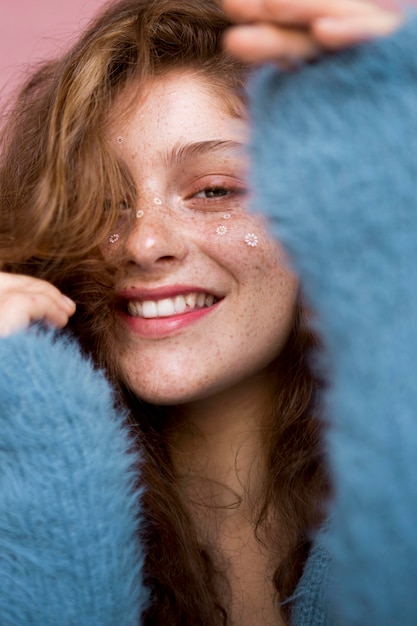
<point>135,309</point>
<point>149,309</point>
<point>165,307</point>
<point>201,300</point>
<point>180,304</point>
<point>190,300</point>
<point>169,306</point>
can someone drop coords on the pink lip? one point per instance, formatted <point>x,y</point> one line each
<point>159,327</point>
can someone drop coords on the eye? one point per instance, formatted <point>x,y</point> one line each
<point>124,206</point>
<point>118,214</point>
<point>121,207</point>
<point>215,197</point>
<point>213,192</point>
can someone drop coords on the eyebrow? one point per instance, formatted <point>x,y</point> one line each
<point>184,152</point>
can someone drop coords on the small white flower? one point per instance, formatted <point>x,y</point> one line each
<point>227,216</point>
<point>120,139</point>
<point>221,230</point>
<point>157,201</point>
<point>251,239</point>
<point>140,213</point>
<point>114,238</point>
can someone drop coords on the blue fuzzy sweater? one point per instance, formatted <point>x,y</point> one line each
<point>335,166</point>
<point>69,553</point>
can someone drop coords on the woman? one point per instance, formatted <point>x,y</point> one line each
<point>181,294</point>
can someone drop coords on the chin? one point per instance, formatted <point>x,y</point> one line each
<point>170,395</point>
<point>161,397</point>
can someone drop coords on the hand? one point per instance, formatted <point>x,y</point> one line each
<point>24,300</point>
<point>289,31</point>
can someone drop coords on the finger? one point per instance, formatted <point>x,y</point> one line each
<point>264,42</point>
<point>24,282</point>
<point>30,285</point>
<point>335,34</point>
<point>19,310</point>
<point>294,12</point>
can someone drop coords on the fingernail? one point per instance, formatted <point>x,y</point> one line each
<point>70,303</point>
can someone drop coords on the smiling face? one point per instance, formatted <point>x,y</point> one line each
<point>205,300</point>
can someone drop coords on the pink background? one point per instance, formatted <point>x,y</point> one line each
<point>34,29</point>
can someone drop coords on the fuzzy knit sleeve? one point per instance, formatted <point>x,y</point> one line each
<point>69,552</point>
<point>335,167</point>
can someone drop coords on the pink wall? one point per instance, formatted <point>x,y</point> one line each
<point>35,29</point>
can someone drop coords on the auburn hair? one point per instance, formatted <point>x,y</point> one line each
<point>58,174</point>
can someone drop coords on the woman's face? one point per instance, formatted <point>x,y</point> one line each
<point>205,300</point>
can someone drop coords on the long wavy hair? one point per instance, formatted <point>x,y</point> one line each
<point>58,172</point>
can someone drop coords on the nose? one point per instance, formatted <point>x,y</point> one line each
<point>156,239</point>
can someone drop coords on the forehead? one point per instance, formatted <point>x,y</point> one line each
<point>178,107</point>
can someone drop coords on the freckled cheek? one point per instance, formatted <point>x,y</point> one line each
<point>234,234</point>
<point>108,248</point>
<point>267,272</point>
<point>112,246</point>
<point>243,239</point>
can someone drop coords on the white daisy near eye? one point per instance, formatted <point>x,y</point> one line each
<point>221,230</point>
<point>251,239</point>
<point>114,238</point>
<point>157,201</point>
<point>140,213</point>
<point>227,216</point>
<point>120,139</point>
